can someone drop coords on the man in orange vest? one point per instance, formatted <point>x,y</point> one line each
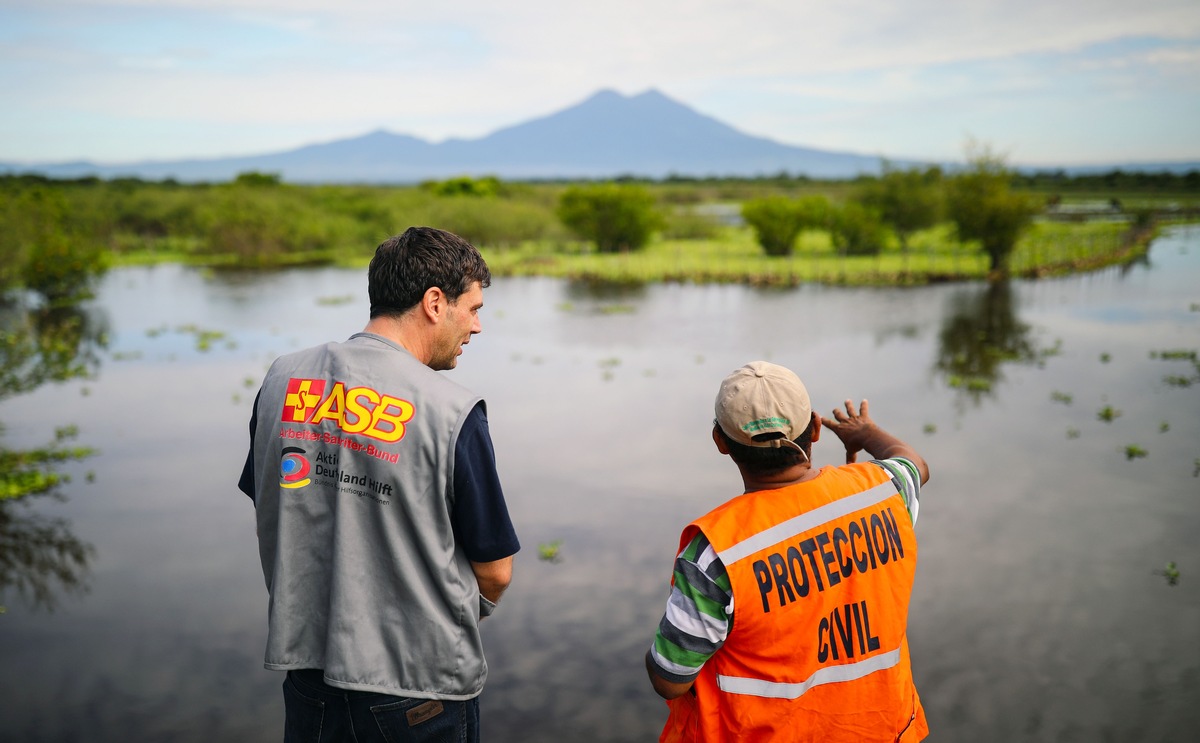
<point>789,604</point>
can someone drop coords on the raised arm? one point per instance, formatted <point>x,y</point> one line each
<point>858,432</point>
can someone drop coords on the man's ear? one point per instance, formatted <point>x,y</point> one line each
<point>816,426</point>
<point>433,303</point>
<point>719,440</point>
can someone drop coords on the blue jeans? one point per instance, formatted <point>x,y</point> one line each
<point>316,712</point>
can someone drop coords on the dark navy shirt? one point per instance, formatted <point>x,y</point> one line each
<point>480,515</point>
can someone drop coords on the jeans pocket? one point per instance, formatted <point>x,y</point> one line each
<point>304,716</point>
<point>424,721</point>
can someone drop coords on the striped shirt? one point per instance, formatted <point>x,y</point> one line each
<point>700,610</point>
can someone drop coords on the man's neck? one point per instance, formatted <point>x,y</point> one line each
<point>396,330</point>
<point>791,476</point>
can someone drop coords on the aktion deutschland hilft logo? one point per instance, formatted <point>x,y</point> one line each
<point>293,468</point>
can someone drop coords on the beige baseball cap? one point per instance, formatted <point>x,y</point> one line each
<point>761,399</point>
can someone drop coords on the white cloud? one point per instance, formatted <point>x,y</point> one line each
<point>800,72</point>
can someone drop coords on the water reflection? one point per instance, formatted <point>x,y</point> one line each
<point>980,333</point>
<point>599,290</point>
<point>39,555</point>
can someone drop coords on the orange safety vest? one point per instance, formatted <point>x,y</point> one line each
<point>822,572</point>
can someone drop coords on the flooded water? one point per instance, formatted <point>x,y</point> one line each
<point>1060,418</point>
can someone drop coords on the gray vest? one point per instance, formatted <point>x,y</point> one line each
<point>354,458</point>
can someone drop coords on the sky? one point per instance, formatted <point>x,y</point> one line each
<point>1040,82</point>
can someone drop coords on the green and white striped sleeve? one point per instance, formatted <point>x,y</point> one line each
<point>908,481</point>
<point>696,621</point>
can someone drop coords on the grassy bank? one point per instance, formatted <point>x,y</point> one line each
<point>734,257</point>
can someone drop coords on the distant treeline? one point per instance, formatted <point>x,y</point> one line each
<point>1040,180</point>
<point>1112,181</point>
<point>1128,181</point>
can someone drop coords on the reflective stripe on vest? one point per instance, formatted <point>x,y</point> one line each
<point>829,675</point>
<point>806,521</point>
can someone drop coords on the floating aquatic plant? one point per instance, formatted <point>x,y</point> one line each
<point>1062,397</point>
<point>549,551</point>
<point>1176,354</point>
<point>1170,572</point>
<point>204,338</point>
<point>1133,451</point>
<point>1108,414</point>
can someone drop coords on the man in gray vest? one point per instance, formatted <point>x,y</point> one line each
<point>383,531</point>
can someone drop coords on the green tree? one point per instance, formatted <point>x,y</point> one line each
<point>778,220</point>
<point>906,200</point>
<point>50,248</point>
<point>465,185</point>
<point>981,203</point>
<point>614,216</point>
<point>255,179</point>
<point>857,230</point>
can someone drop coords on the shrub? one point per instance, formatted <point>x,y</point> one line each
<point>857,230</point>
<point>616,217</point>
<point>254,179</point>
<point>906,200</point>
<point>494,222</point>
<point>778,220</point>
<point>155,212</point>
<point>257,227</point>
<point>465,186</point>
<point>49,250</point>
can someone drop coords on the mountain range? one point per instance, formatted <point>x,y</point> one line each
<point>604,136</point>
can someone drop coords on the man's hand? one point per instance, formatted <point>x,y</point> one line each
<point>852,428</point>
<point>858,432</point>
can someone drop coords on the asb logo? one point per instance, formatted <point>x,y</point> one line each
<point>302,397</point>
<point>357,410</point>
<point>293,468</point>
